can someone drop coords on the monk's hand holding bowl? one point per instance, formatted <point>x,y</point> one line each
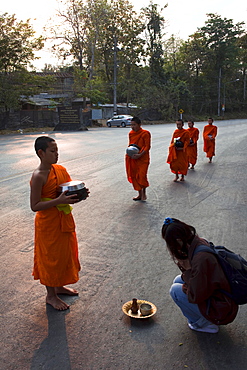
<point>86,193</point>
<point>68,199</point>
<point>137,156</point>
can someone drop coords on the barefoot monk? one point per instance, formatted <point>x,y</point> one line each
<point>137,164</point>
<point>192,147</point>
<point>177,156</point>
<point>56,262</point>
<point>209,135</point>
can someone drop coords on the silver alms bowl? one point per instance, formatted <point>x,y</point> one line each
<point>132,149</point>
<point>74,188</point>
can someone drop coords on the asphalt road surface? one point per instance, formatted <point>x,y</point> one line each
<point>122,255</point>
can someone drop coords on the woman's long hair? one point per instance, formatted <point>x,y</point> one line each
<point>173,230</point>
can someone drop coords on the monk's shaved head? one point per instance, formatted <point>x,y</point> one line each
<point>42,143</point>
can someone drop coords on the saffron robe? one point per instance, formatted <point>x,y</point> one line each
<point>209,135</point>
<point>177,158</point>
<point>137,169</point>
<point>56,260</point>
<point>192,150</point>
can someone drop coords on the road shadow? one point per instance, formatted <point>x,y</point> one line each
<point>53,353</point>
<point>222,351</point>
<point>148,332</point>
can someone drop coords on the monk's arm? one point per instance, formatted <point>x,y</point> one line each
<point>37,204</point>
<point>186,140</point>
<point>196,136</point>
<point>147,142</point>
<point>215,132</point>
<point>146,146</point>
<point>172,140</point>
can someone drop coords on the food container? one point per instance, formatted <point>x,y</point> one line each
<point>178,143</point>
<point>146,309</point>
<point>132,149</point>
<point>74,188</point>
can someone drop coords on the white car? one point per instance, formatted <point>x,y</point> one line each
<point>122,120</point>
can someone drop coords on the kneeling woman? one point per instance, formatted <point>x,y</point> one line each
<point>198,290</point>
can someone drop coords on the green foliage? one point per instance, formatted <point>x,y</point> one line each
<point>207,61</point>
<point>155,24</point>
<point>18,85</point>
<point>92,27</point>
<point>17,47</point>
<point>94,89</point>
<point>17,43</point>
<point>107,40</point>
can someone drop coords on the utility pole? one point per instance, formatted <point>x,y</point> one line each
<point>244,87</point>
<point>115,77</point>
<point>219,87</point>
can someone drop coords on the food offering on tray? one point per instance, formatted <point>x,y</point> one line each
<point>145,309</point>
<point>74,188</point>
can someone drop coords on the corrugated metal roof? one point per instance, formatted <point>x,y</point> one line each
<point>41,102</point>
<point>56,74</point>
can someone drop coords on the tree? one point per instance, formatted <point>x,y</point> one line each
<point>19,85</point>
<point>17,47</point>
<point>210,58</point>
<point>242,43</point>
<point>155,24</point>
<point>122,37</point>
<point>88,32</point>
<point>17,43</point>
<point>220,37</point>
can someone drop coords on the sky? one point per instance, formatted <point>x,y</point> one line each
<point>182,17</point>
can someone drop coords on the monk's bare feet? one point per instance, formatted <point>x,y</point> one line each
<point>143,194</point>
<point>182,178</point>
<point>57,303</point>
<point>66,290</point>
<point>176,178</point>
<point>192,167</point>
<point>210,160</point>
<point>137,198</point>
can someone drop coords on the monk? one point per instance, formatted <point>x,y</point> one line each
<point>177,156</point>
<point>192,147</point>
<point>209,135</point>
<point>137,165</point>
<point>56,260</point>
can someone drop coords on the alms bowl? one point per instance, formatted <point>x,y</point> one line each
<point>74,188</point>
<point>132,149</point>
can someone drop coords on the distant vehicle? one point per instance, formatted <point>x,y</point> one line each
<point>119,121</point>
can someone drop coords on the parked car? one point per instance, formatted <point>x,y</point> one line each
<point>119,121</point>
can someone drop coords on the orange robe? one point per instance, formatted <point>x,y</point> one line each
<point>56,260</point>
<point>192,150</point>
<point>209,143</point>
<point>178,158</point>
<point>137,169</point>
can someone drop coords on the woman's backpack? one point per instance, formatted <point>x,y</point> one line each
<point>234,267</point>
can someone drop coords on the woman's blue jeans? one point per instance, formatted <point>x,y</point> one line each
<point>189,310</point>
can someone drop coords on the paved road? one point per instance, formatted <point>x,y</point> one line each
<point>122,255</point>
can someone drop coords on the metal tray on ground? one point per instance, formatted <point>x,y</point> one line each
<point>126,308</point>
